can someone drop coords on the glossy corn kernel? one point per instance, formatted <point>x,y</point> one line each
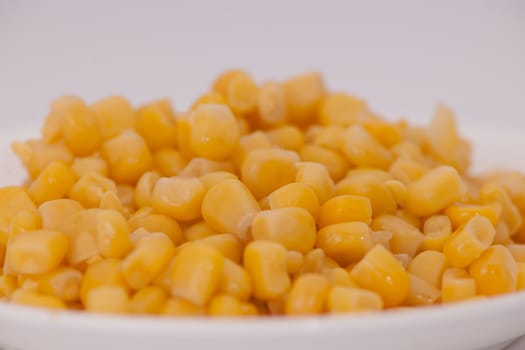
<point>213,131</point>
<point>12,200</point>
<point>520,278</point>
<point>112,234</point>
<point>235,281</point>
<point>111,201</point>
<point>108,299</point>
<point>336,164</point>
<point>517,251</point>
<point>345,208</point>
<point>492,192</point>
<point>429,266</point>
<point>105,272</point>
<point>179,198</point>
<point>406,239</point>
<point>80,130</point>
<point>407,170</point>
<point>52,130</point>
<point>294,194</point>
<point>157,126</point>
<point>381,237</point>
<point>147,260</point>
<point>201,166</point>
<point>271,104</point>
<point>270,281</point>
<point>227,244</point>
<point>85,165</point>
<point>460,213</point>
<point>197,231</point>
<point>8,285</point>
<point>307,295</point>
<point>35,155</point>
<point>127,156</point>
<point>229,207</point>
<point>344,300</point>
<point>90,188</point>
<point>303,95</point>
<point>313,261</point>
<point>421,292</point>
<point>148,300</point>
<point>363,150</point>
<point>380,196</point>
<point>181,307</point>
<point>456,285</point>
<point>317,177</point>
<point>265,170</point>
<point>345,242</point>
<point>341,109</point>
<point>63,283</point>
<point>292,227</point>
<point>380,272</point>
<point>339,277</point>
<point>330,137</point>
<point>435,191</point>
<point>249,143</point>
<point>31,298</point>
<point>286,137</point>
<point>144,189</point>
<point>147,219</point>
<point>36,252</point>
<point>294,262</point>
<point>209,97</point>
<point>183,127</point>
<point>495,271</point>
<point>469,241</point>
<point>240,92</point>
<point>53,182</point>
<point>437,230</point>
<point>399,192</point>
<point>113,114</point>
<point>81,230</point>
<point>225,306</point>
<point>196,273</point>
<point>168,161</point>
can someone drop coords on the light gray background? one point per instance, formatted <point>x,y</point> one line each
<point>402,56</point>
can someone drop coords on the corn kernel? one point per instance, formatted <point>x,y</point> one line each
<point>35,155</point>
<point>183,127</point>
<point>106,272</point>
<point>212,178</point>
<point>12,200</point>
<point>421,292</point>
<point>517,251</point>
<point>144,188</point>
<point>168,161</point>
<point>90,188</point>
<point>406,239</point>
<point>407,170</point>
<point>492,192</point>
<point>363,150</point>
<point>63,283</point>
<point>345,299</point>
<point>53,182</point>
<point>235,281</point>
<point>157,126</point>
<point>339,277</point>
<point>520,278</point>
<point>227,244</point>
<point>294,194</point>
<point>287,137</point>
<point>108,299</point>
<point>198,230</point>
<point>201,166</point>
<point>303,95</point>
<point>270,281</point>
<point>81,230</point>
<point>381,237</point>
<point>456,285</point>
<point>85,165</point>
<point>336,165</point>
<point>249,143</point>
<point>330,137</point>
<point>437,230</point>
<point>148,300</point>
<point>294,262</point>
<point>52,131</point>
<point>209,97</point>
<point>495,271</point>
<point>317,177</point>
<point>381,198</point>
<point>181,307</point>
<point>307,295</point>
<point>225,306</point>
<point>345,242</point>
<point>429,266</point>
<point>313,261</point>
<point>345,208</point>
<point>30,298</point>
<point>241,93</point>
<point>113,114</point>
<point>460,213</point>
<point>271,104</point>
<point>147,219</point>
<point>80,130</point>
<point>341,109</point>
<point>112,234</point>
<point>8,285</point>
<point>179,198</point>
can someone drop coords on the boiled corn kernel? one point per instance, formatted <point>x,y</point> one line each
<point>148,300</point>
<point>35,155</point>
<point>108,299</point>
<point>495,271</point>
<point>287,137</point>
<point>147,219</point>
<point>421,292</point>
<point>345,208</point>
<point>363,150</point>
<point>317,177</point>
<point>113,114</point>
<point>303,95</point>
<point>307,295</point>
<point>168,161</point>
<point>271,104</point>
<point>341,109</point>
<point>456,285</point>
<point>179,198</point>
<point>335,163</point>
<point>406,239</point>
<point>345,242</point>
<point>437,229</point>
<point>235,281</point>
<point>31,298</point>
<point>157,126</point>
<point>89,189</point>
<point>85,165</point>
<point>225,306</point>
<point>348,299</point>
<point>294,194</point>
<point>429,266</point>
<point>181,307</point>
<point>106,272</point>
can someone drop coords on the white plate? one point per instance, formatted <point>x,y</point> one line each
<point>484,324</point>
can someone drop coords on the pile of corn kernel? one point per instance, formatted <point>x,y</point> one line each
<point>273,199</point>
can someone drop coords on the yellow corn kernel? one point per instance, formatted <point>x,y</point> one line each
<point>520,278</point>
<point>344,299</point>
<point>345,242</point>
<point>212,178</point>
<point>271,104</point>
<point>201,166</point>
<point>196,273</point>
<point>12,200</point>
<point>293,227</point>
<point>8,285</point>
<point>81,133</point>
<point>179,198</point>
<point>339,277</point>
<point>85,165</point>
<point>235,281</point>
<point>22,221</point>
<point>225,306</point>
<point>112,234</point>
<point>287,137</point>
<point>407,170</point>
<point>435,191</point>
<point>294,262</point>
<point>313,261</point>
<point>502,235</point>
<point>198,230</point>
<point>249,143</point>
<point>35,155</point>
<point>157,126</point>
<point>220,85</point>
<point>398,190</point>
<point>517,251</point>
<point>270,281</point>
<point>341,109</point>
<point>147,259</point>
<point>386,133</point>
<point>108,299</point>
<point>181,307</point>
<point>460,213</point>
<point>265,170</point>
<point>437,230</point>
<point>403,259</point>
<point>469,241</point>
<point>54,182</point>
<point>408,150</point>
<point>209,97</point>
<point>243,125</point>
<point>456,285</point>
<point>429,266</point>
<point>81,229</point>
<point>371,173</point>
<point>106,272</point>
<point>330,137</point>
<point>89,189</point>
<point>444,140</point>
<point>495,271</point>
<point>36,252</point>
<point>111,201</point>
<point>249,309</point>
<point>240,92</point>
<point>63,283</point>
<point>294,194</point>
<point>31,298</point>
<point>52,130</point>
<point>148,300</point>
<point>381,237</point>
<point>345,208</point>
<point>307,295</point>
<point>380,272</point>
<point>363,150</point>
<point>183,127</point>
<point>491,192</point>
<point>126,195</point>
<point>317,177</point>
<point>406,239</point>
<point>113,114</point>
<point>304,94</point>
<point>128,157</point>
<point>144,188</point>
<point>381,198</point>
<point>226,243</point>
<point>421,292</point>
<point>336,165</point>
<point>229,207</point>
<point>169,161</point>
<point>147,219</point>
<point>213,131</point>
